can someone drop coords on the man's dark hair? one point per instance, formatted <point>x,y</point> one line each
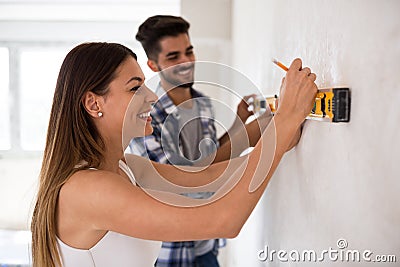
<point>157,27</point>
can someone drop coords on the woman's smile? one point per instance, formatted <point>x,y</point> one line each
<point>145,116</point>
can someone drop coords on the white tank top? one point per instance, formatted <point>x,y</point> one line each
<point>113,249</point>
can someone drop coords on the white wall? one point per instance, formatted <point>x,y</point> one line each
<point>341,181</point>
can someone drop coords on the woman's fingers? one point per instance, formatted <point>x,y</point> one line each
<point>306,70</point>
<point>312,76</point>
<point>296,64</point>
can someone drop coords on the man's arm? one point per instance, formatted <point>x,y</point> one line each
<point>241,117</point>
<point>246,136</point>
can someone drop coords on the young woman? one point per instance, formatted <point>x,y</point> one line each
<point>89,209</point>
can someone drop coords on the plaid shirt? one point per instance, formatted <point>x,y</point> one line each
<point>164,146</point>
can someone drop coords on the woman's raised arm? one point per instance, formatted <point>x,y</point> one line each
<point>107,201</point>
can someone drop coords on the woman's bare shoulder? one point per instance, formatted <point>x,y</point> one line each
<point>86,189</point>
<point>91,183</point>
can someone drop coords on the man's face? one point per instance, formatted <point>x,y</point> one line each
<point>176,60</point>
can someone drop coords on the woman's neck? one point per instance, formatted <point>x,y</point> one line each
<point>111,160</point>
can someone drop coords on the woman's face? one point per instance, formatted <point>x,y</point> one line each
<point>128,103</point>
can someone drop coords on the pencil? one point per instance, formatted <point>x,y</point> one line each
<point>280,64</point>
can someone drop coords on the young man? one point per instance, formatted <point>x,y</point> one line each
<point>182,118</point>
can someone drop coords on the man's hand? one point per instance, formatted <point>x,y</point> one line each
<point>243,108</point>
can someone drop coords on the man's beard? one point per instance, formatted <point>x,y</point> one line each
<point>176,82</point>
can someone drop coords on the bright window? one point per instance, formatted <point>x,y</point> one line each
<point>38,76</point>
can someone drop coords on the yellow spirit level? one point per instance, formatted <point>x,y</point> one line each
<point>331,105</point>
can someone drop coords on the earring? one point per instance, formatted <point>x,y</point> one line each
<point>100,114</point>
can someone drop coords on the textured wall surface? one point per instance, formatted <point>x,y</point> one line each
<point>342,180</point>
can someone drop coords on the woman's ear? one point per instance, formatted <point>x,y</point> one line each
<point>92,104</point>
<point>152,65</point>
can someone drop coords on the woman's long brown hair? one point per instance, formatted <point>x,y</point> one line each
<point>71,136</point>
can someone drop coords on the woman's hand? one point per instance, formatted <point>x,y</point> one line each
<point>298,92</point>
